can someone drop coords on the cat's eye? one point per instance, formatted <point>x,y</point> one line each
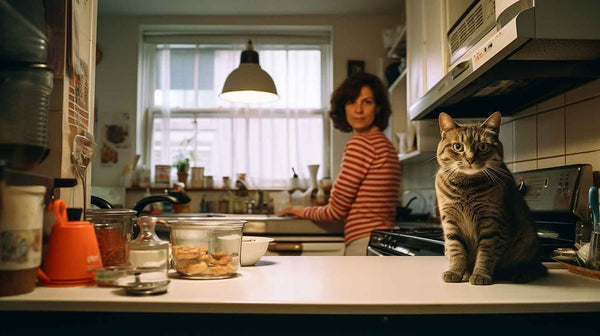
<point>457,146</point>
<point>483,147</point>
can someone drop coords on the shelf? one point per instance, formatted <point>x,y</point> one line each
<point>416,157</point>
<point>398,80</point>
<point>155,188</point>
<point>398,48</point>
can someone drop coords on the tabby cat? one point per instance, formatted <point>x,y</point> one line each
<point>488,229</point>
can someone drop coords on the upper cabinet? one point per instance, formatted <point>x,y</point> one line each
<point>507,55</point>
<point>426,56</point>
<point>426,46</point>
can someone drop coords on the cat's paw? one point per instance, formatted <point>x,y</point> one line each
<point>480,279</point>
<point>452,276</point>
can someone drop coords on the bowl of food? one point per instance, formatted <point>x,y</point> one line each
<point>253,248</point>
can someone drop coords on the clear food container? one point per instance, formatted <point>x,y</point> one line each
<point>206,249</point>
<point>113,231</point>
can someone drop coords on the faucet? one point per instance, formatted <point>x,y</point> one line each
<point>172,196</point>
<point>242,188</point>
<point>250,206</point>
<point>263,205</point>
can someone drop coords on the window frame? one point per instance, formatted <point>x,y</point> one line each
<point>147,113</point>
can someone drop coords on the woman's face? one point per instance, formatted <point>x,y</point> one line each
<point>360,114</point>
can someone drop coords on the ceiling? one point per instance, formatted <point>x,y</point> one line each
<point>248,7</point>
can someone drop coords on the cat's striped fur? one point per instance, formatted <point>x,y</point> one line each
<point>488,229</point>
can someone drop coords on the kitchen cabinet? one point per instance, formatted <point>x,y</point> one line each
<point>427,52</point>
<point>397,90</point>
<point>427,55</point>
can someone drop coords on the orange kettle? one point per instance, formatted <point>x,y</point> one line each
<point>72,254</point>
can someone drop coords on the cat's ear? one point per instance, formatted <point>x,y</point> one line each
<point>493,122</point>
<point>446,123</point>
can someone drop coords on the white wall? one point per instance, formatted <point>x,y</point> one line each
<point>356,37</point>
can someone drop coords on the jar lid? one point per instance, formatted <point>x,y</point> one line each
<point>204,222</point>
<point>26,189</point>
<point>140,287</point>
<point>109,212</point>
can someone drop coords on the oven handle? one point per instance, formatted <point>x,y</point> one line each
<point>300,247</point>
<point>373,252</point>
<point>285,247</point>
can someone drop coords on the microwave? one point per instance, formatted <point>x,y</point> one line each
<point>471,20</point>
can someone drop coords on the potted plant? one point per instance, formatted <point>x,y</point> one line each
<point>183,166</point>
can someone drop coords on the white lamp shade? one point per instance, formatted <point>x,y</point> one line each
<point>249,84</point>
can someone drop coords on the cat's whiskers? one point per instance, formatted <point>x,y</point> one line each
<point>490,175</point>
<point>496,175</point>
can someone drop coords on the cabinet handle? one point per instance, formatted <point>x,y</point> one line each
<point>285,247</point>
<point>460,68</point>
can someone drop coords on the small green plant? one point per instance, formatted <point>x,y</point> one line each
<point>183,165</point>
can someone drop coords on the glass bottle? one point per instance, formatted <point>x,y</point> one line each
<point>147,250</point>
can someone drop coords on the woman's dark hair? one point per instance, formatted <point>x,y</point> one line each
<point>349,90</point>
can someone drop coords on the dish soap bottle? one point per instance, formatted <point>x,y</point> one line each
<point>148,251</point>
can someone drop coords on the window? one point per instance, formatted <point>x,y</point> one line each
<point>186,118</point>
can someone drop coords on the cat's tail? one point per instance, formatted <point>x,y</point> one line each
<point>522,273</point>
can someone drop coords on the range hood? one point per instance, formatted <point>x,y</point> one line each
<point>547,47</point>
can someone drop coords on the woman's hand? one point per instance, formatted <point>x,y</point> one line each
<point>297,211</point>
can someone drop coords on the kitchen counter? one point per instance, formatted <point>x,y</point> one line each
<point>330,285</point>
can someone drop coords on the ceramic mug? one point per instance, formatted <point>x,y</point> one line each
<point>21,231</point>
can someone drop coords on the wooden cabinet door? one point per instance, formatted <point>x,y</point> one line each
<point>435,42</point>
<point>415,50</point>
<point>426,46</point>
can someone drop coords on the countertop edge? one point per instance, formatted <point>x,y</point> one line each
<point>296,308</point>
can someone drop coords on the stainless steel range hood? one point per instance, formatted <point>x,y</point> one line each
<point>549,47</point>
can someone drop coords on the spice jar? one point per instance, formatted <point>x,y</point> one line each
<point>209,182</point>
<point>147,250</point>
<point>113,229</point>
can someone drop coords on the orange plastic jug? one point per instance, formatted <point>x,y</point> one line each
<point>72,254</point>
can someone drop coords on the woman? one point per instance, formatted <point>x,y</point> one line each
<point>364,195</point>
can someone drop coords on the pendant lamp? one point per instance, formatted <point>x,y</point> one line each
<point>249,83</point>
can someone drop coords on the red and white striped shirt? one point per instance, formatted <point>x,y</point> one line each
<point>366,191</point>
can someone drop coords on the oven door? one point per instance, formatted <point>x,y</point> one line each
<point>373,251</point>
<point>306,246</point>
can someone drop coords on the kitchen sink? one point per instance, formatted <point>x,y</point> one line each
<point>268,224</point>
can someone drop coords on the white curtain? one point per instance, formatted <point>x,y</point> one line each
<point>263,141</point>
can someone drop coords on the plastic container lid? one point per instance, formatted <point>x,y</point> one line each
<point>109,212</point>
<point>36,190</point>
<point>192,222</point>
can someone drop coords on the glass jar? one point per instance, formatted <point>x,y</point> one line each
<point>113,229</point>
<point>206,249</point>
<point>147,250</point>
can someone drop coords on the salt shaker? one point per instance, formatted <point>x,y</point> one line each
<point>147,250</point>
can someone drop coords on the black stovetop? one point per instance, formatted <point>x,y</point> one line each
<point>410,239</point>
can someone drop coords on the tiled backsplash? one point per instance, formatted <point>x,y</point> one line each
<point>560,131</point>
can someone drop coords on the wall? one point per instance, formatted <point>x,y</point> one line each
<point>356,37</point>
<point>560,131</point>
<point>68,116</point>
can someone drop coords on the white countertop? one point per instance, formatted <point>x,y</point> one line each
<point>330,285</point>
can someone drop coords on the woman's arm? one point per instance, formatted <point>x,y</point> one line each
<point>358,157</point>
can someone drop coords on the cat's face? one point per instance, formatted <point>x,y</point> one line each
<point>472,149</point>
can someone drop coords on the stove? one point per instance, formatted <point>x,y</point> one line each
<point>556,196</point>
<point>412,239</point>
